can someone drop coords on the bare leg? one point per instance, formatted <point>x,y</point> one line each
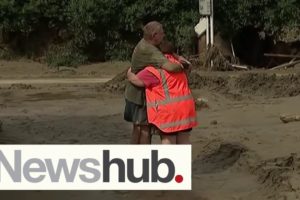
<point>136,134</point>
<point>168,139</point>
<point>145,135</point>
<point>183,138</point>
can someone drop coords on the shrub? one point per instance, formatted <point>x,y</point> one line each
<point>65,55</point>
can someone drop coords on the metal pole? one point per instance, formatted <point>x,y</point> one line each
<point>211,29</point>
<point>207,32</point>
<point>212,23</point>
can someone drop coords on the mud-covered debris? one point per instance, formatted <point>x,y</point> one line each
<point>201,103</point>
<point>289,118</point>
<point>222,158</point>
<point>220,62</point>
<point>282,175</point>
<point>214,122</point>
<point>67,69</point>
<point>248,83</point>
<point>21,86</point>
<point>116,85</point>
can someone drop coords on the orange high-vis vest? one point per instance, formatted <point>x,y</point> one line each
<point>170,104</point>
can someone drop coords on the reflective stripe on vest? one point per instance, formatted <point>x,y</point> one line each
<point>164,83</point>
<point>170,100</point>
<point>177,123</point>
<point>167,94</point>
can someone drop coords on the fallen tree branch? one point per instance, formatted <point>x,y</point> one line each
<point>281,55</point>
<point>292,60</point>
<point>286,65</point>
<point>239,67</point>
<point>3,48</point>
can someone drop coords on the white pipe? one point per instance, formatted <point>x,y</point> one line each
<point>212,23</point>
<point>207,32</point>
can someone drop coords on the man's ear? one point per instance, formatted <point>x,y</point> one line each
<point>152,36</point>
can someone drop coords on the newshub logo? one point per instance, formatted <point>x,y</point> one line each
<point>95,167</point>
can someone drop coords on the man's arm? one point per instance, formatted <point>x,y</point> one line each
<point>172,67</point>
<point>134,79</point>
<point>158,60</point>
<point>182,59</point>
<point>187,65</point>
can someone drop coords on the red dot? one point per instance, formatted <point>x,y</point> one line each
<point>178,178</point>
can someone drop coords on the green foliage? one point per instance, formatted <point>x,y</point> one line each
<point>178,17</point>
<point>6,54</point>
<point>120,50</point>
<point>82,15</point>
<point>115,25</point>
<point>64,55</point>
<point>272,16</point>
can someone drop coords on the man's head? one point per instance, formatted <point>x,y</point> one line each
<point>154,32</point>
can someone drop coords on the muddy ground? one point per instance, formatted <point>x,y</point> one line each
<point>241,149</point>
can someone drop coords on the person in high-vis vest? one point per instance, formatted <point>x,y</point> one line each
<point>145,53</point>
<point>170,104</point>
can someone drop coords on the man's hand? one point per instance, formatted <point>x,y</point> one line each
<point>129,73</point>
<point>172,67</point>
<point>183,60</point>
<point>134,79</point>
<point>130,76</point>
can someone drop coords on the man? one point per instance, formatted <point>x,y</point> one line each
<point>145,53</point>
